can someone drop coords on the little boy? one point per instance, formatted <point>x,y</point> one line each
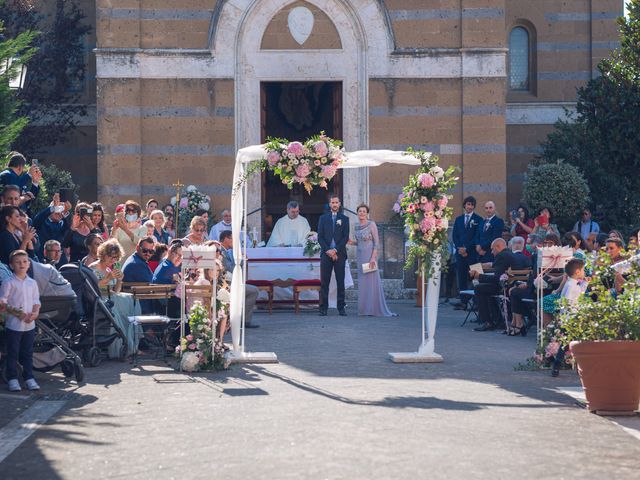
<point>19,294</point>
<point>574,287</point>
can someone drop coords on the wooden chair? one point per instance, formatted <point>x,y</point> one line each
<point>264,286</point>
<point>199,292</point>
<point>304,285</point>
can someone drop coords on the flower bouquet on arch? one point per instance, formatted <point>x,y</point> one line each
<point>312,163</point>
<point>424,207</point>
<point>311,246</point>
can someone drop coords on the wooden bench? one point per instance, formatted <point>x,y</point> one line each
<point>304,285</point>
<point>265,286</point>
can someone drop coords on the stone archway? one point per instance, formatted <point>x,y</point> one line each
<point>246,22</point>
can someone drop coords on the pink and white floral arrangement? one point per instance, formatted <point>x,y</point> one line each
<point>424,206</point>
<point>312,163</point>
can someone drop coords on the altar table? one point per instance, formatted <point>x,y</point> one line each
<point>272,263</point>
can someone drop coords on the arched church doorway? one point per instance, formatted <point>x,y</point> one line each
<point>297,111</point>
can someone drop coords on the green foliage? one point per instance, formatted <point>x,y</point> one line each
<point>605,314</point>
<point>558,186</point>
<point>19,48</point>
<point>603,138</point>
<point>51,97</point>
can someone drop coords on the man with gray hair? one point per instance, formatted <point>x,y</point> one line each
<point>290,230</point>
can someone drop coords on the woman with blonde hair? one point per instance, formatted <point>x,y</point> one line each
<point>197,232</point>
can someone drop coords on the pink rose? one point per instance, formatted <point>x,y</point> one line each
<point>427,224</point>
<point>443,202</point>
<point>428,206</point>
<point>296,148</point>
<point>321,149</point>
<point>317,163</point>
<point>192,346</point>
<point>303,170</point>
<point>189,338</point>
<point>426,180</point>
<point>411,208</point>
<point>273,158</point>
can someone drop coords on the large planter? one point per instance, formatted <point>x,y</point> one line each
<point>610,374</point>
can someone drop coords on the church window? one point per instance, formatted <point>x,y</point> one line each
<point>519,61</point>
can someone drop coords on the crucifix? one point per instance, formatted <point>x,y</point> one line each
<point>178,186</point>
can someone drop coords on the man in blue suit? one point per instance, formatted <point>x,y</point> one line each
<point>464,236</point>
<point>136,268</point>
<point>333,235</point>
<point>490,229</point>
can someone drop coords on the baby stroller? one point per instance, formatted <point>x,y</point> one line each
<point>95,327</point>
<point>51,348</point>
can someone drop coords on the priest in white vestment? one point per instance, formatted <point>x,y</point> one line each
<point>291,230</point>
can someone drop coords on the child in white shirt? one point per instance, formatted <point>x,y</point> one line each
<point>20,299</point>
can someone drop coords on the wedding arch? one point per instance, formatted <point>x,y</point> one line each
<point>244,157</point>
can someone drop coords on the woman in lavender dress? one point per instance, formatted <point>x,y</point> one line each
<point>370,293</point>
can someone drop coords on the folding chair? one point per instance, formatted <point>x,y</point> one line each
<point>471,307</point>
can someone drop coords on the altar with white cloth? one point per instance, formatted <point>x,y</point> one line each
<point>272,263</point>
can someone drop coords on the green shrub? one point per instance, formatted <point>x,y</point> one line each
<point>560,187</point>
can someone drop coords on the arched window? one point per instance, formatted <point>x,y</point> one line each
<point>519,47</point>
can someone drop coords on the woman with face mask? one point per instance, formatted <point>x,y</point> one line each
<point>127,228</point>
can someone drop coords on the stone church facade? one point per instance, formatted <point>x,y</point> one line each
<point>182,85</point>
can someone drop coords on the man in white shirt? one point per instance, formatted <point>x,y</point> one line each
<point>223,225</point>
<point>586,225</point>
<point>291,230</point>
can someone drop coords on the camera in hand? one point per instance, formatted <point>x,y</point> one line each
<point>83,212</point>
<point>514,215</point>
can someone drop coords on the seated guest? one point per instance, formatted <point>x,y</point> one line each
<point>168,271</point>
<point>109,274</point>
<point>201,212</point>
<point>136,267</point>
<point>221,226</point>
<point>158,219</point>
<point>27,182</point>
<point>522,224</point>
<point>251,292</point>
<point>14,234</point>
<point>159,254</point>
<point>11,196</point>
<point>490,229</point>
<point>92,242</point>
<point>128,230</point>
<point>290,230</point>
<point>521,261</point>
<point>151,205</point>
<point>169,226</point>
<point>489,285</point>
<point>150,227</point>
<point>97,217</point>
<point>50,224</point>
<point>634,241</point>
<point>601,241</point>
<point>543,225</point>
<point>585,225</point>
<point>53,254</point>
<point>617,234</point>
<point>524,290</point>
<point>198,232</point>
<point>81,227</point>
<point>590,241</point>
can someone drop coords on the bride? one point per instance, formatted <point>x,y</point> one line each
<point>370,292</point>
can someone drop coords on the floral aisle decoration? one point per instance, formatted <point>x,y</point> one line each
<point>190,201</point>
<point>424,207</point>
<point>311,246</point>
<point>312,163</point>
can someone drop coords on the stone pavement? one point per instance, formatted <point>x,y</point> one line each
<point>334,408</point>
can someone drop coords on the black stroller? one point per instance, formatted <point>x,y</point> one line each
<point>54,333</point>
<point>95,327</point>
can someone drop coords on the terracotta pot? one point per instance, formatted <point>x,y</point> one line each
<point>610,374</point>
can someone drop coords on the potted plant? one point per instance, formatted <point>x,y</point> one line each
<point>602,330</point>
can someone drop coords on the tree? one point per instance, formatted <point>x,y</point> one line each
<point>558,186</point>
<point>603,137</point>
<point>15,51</point>
<point>49,99</point>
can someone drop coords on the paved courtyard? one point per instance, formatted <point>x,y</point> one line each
<point>334,408</point>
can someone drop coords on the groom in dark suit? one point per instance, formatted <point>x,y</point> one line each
<point>333,234</point>
<point>464,239</point>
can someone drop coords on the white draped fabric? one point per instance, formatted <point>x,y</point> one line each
<point>359,159</point>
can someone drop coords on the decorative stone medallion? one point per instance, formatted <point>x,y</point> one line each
<point>300,23</point>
